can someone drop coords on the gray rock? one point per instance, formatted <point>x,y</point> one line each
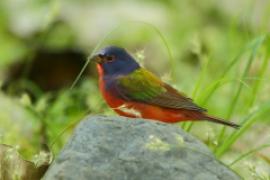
<point>118,148</point>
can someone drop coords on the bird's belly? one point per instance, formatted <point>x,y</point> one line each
<point>143,110</point>
<point>136,109</point>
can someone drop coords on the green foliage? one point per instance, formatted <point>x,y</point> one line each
<point>218,58</point>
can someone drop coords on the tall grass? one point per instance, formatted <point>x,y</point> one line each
<point>224,78</point>
<point>254,48</point>
<point>253,116</point>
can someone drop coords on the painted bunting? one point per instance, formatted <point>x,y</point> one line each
<point>132,91</point>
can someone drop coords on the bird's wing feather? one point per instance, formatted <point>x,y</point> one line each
<point>143,86</point>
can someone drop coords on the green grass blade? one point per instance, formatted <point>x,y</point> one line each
<point>261,74</point>
<point>210,91</point>
<point>188,125</point>
<point>249,153</point>
<point>248,121</point>
<point>257,43</point>
<point>218,83</point>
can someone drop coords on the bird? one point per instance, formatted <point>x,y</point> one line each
<point>135,92</point>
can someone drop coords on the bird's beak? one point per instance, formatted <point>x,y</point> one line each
<point>98,58</point>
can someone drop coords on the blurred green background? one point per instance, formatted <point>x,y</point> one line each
<point>217,52</point>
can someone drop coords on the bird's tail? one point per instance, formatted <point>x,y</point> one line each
<point>221,121</point>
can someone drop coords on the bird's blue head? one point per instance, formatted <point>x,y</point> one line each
<point>115,61</point>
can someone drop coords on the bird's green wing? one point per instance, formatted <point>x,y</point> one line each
<point>143,86</point>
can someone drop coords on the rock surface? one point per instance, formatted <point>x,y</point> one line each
<point>118,148</point>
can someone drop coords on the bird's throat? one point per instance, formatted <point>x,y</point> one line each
<point>100,71</point>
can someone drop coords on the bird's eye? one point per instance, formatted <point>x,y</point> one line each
<point>110,58</point>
